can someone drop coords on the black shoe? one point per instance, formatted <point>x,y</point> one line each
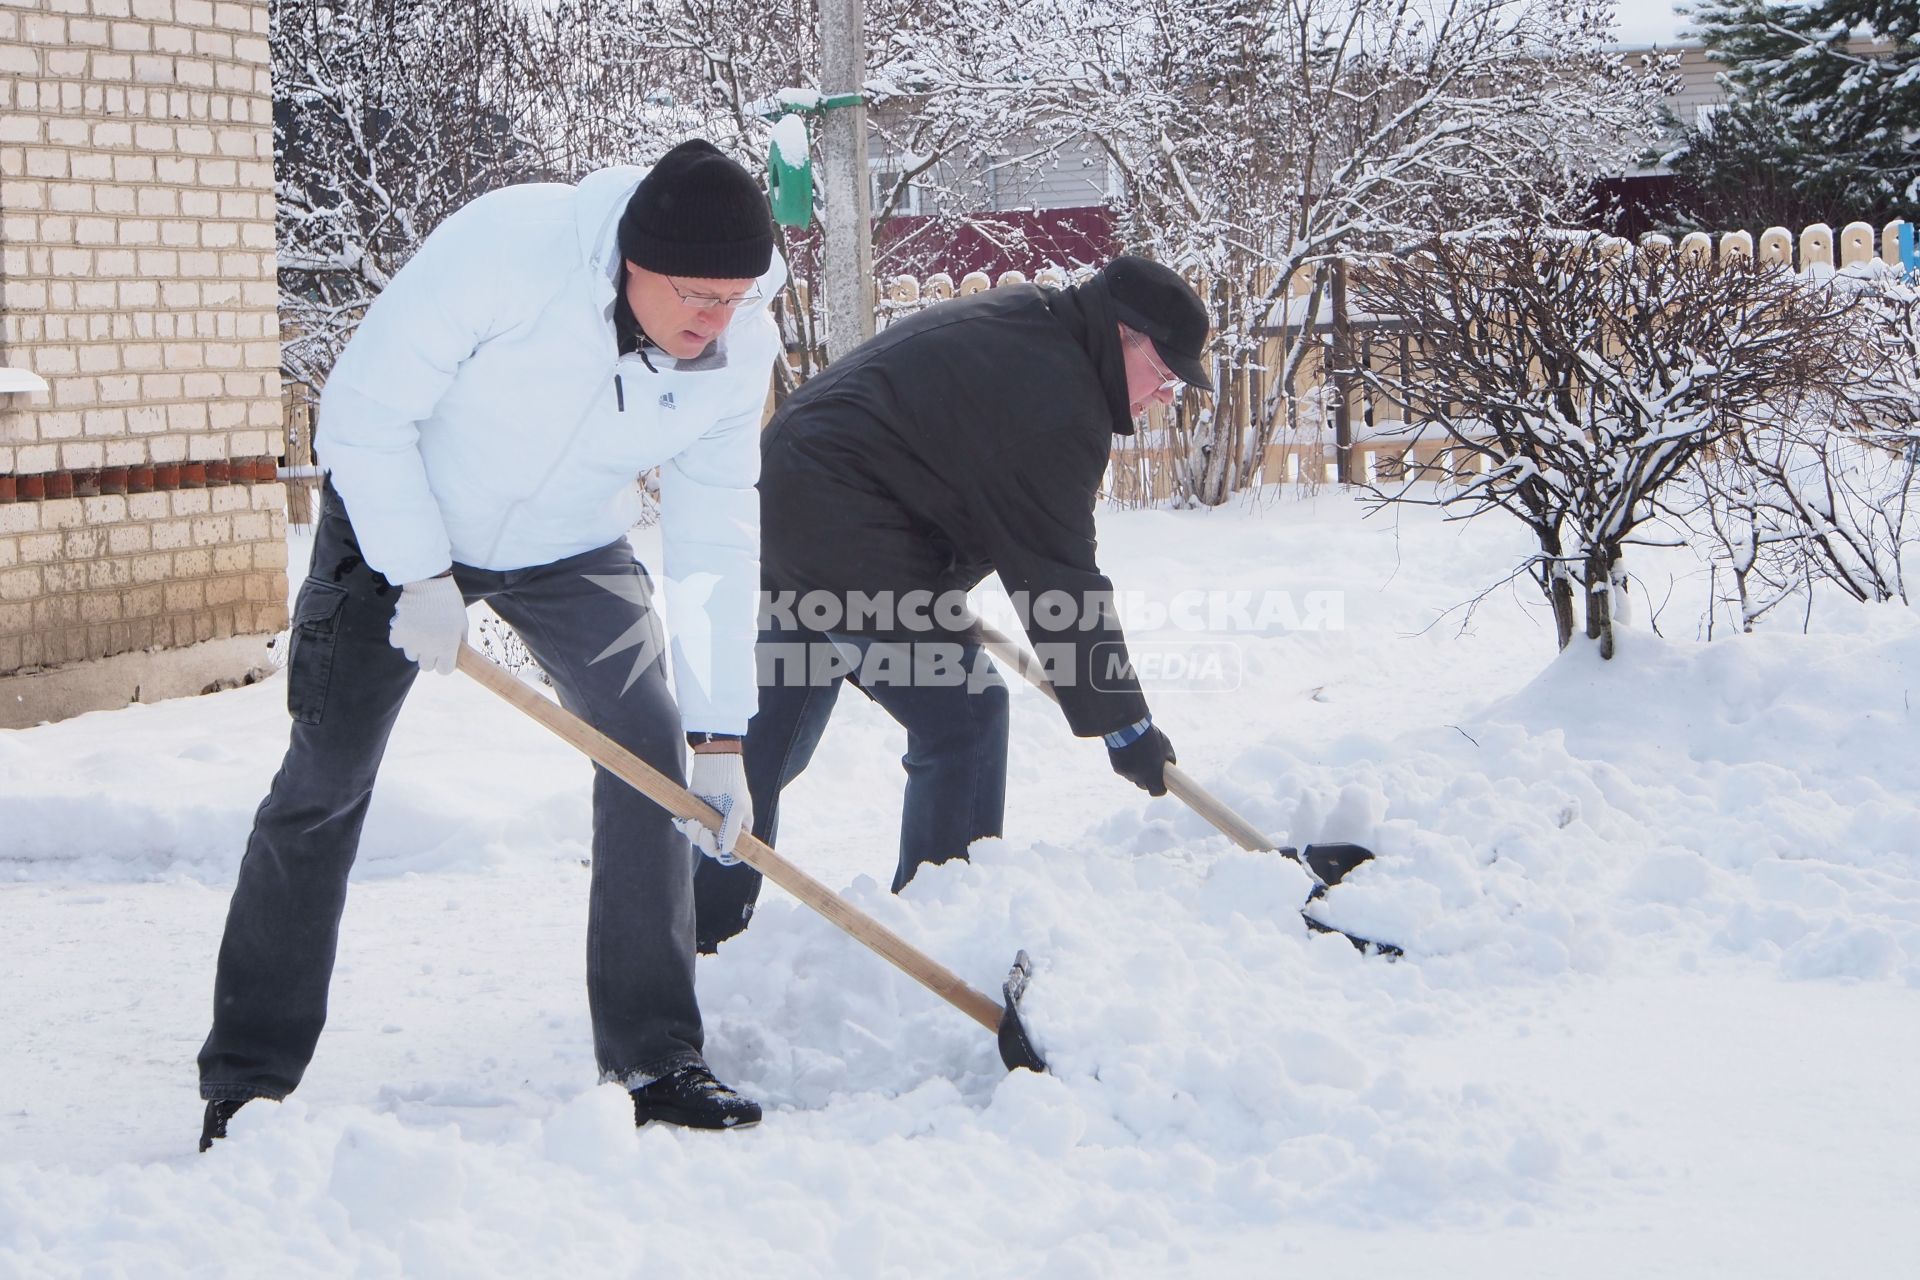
<point>692,1097</point>
<point>214,1123</point>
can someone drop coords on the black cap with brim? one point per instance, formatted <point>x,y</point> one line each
<point>1151,299</point>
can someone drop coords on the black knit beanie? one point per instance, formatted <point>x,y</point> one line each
<point>698,214</point>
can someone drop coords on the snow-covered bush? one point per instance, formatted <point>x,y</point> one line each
<point>1590,377</point>
<point>1819,488</point>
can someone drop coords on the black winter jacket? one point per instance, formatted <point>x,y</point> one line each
<point>968,439</point>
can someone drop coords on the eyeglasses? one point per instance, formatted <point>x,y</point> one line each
<point>710,301</point>
<point>1170,380</point>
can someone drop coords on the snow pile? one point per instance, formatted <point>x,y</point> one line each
<point>1756,796</point>
<point>1189,1020</point>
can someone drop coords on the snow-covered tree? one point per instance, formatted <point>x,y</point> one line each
<point>1262,139</point>
<point>1823,95</point>
<point>1747,166</point>
<point>388,116</point>
<point>950,87</point>
<point>1583,378</point>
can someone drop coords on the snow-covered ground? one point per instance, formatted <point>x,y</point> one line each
<point>1658,1015</point>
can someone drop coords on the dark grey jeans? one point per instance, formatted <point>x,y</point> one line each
<point>345,685</point>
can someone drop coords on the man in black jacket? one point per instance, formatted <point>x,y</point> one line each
<point>968,439</point>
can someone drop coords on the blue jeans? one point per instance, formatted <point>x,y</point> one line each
<point>345,685</point>
<point>944,693</point>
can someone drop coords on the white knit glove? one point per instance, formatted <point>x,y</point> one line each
<point>430,623</point>
<point>720,779</point>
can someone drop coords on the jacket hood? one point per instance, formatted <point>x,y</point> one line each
<point>598,201</point>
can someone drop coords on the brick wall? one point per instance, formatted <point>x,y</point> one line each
<point>137,506</point>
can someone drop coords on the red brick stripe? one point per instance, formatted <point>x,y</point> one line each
<point>158,477</point>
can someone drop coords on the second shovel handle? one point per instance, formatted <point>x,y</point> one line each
<point>1224,820</point>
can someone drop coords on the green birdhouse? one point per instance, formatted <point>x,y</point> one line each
<point>790,173</point>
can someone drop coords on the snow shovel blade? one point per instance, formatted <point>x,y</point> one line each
<point>1365,946</point>
<point>1016,1050</point>
<point>1331,862</point>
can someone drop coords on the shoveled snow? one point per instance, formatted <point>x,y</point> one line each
<point>1658,1014</point>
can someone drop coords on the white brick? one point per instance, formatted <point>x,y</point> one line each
<point>19,60</point>
<point>146,507</point>
<point>61,513</point>
<point>134,169</point>
<point>106,508</point>
<point>65,132</point>
<point>20,584</point>
<point>44,29</point>
<point>99,359</point>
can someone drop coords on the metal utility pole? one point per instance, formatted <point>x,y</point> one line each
<point>1342,391</point>
<point>848,265</point>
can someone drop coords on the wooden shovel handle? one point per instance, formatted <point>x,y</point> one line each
<point>1224,820</point>
<point>681,803</point>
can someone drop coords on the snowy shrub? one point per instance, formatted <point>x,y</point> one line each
<point>1819,489</point>
<point>1589,377</point>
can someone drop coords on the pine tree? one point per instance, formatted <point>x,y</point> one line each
<point>1835,85</point>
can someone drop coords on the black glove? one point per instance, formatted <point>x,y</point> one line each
<point>1144,761</point>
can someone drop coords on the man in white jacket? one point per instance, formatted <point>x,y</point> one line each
<point>483,432</point>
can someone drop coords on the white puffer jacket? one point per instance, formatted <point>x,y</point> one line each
<point>482,414</point>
